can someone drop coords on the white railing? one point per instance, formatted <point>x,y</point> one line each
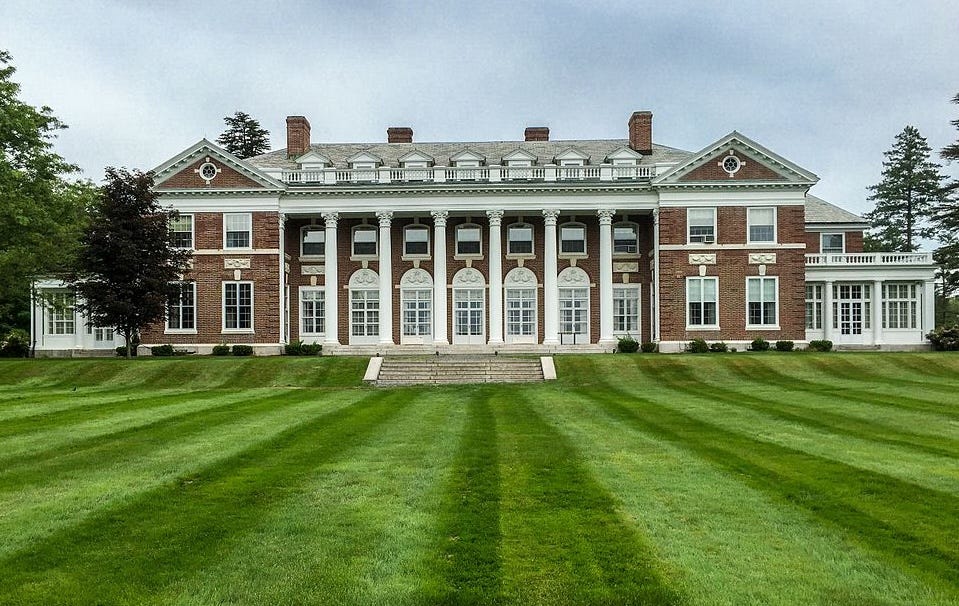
<point>831,259</point>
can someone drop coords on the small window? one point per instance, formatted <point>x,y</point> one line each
<point>238,306</point>
<point>731,164</point>
<point>313,241</point>
<point>833,244</point>
<point>181,307</point>
<point>466,163</point>
<point>702,225</point>
<point>416,241</point>
<point>572,239</point>
<point>364,241</point>
<point>625,239</point>
<point>762,224</point>
<point>762,301</point>
<point>181,231</point>
<point>814,306</point>
<point>468,240</point>
<point>702,302</point>
<point>238,230</point>
<point>572,162</point>
<point>519,239</point>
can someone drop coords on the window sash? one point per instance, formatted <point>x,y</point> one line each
<point>625,309</point>
<point>181,307</point>
<point>520,239</point>
<point>313,241</point>
<point>702,304</point>
<point>312,311</point>
<point>832,244</point>
<point>520,311</point>
<point>61,316</point>
<point>416,241</point>
<point>762,299</point>
<point>181,231</point>
<point>701,224</point>
<point>417,312</point>
<point>572,240</point>
<point>762,224</point>
<point>364,313</point>
<point>625,239</point>
<point>238,227</point>
<point>364,241</point>
<point>468,311</point>
<point>573,311</point>
<point>238,305</point>
<point>468,240</point>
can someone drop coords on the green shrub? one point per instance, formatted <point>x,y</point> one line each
<point>122,351</point>
<point>299,348</point>
<point>718,347</point>
<point>945,338</point>
<point>242,350</point>
<point>16,344</point>
<point>162,350</point>
<point>820,345</point>
<point>649,347</point>
<point>221,350</point>
<point>294,348</point>
<point>627,344</point>
<point>759,344</point>
<point>784,345</point>
<point>697,346</point>
<point>312,349</point>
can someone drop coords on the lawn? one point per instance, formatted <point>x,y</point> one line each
<point>717,479</point>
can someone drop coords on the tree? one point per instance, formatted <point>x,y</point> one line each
<point>244,138</point>
<point>910,189</point>
<point>126,263</point>
<point>42,210</point>
<point>946,220</point>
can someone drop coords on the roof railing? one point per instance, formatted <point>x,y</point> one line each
<point>547,173</point>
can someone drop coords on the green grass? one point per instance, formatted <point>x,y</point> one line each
<point>715,479</point>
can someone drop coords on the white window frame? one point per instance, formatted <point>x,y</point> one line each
<point>456,241</point>
<point>638,319</point>
<point>417,227</point>
<point>223,307</point>
<point>312,228</point>
<point>407,297</point>
<point>65,316</point>
<point>762,302</point>
<point>249,231</point>
<point>635,227</point>
<point>369,295</point>
<point>528,328</point>
<point>192,245</point>
<point>822,237</point>
<point>376,241</point>
<point>702,280</point>
<point>532,240</point>
<point>814,304</point>
<point>321,323</point>
<point>749,224</point>
<point>892,306</point>
<point>703,239</point>
<point>577,254</point>
<point>180,330</point>
<point>574,310</point>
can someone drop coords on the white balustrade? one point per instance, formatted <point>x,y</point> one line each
<point>834,259</point>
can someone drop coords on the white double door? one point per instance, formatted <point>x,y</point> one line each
<point>469,316</point>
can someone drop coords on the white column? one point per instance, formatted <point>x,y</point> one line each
<point>606,276</point>
<point>550,289</point>
<point>495,277</point>
<point>282,280</point>
<point>928,306</point>
<point>331,281</point>
<point>386,277</point>
<point>440,321</point>
<point>876,312</point>
<point>656,305</point>
<point>827,311</point>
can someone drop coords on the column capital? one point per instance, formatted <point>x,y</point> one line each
<point>495,217</point>
<point>655,215</point>
<point>331,219</point>
<point>385,217</point>
<point>550,215</point>
<point>439,217</point>
<point>606,216</point>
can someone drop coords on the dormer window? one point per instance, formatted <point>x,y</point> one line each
<point>364,166</point>
<point>312,160</point>
<point>624,161</point>
<point>466,163</point>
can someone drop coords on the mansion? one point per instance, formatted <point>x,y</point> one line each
<point>530,245</point>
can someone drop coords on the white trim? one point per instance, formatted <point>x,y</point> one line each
<point>776,325</point>
<point>300,331</point>
<point>697,327</point>
<point>705,240</point>
<point>749,212</point>
<point>376,242</point>
<point>429,242</point>
<point>832,233</point>
<point>223,328</point>
<point>249,216</point>
<point>456,242</point>
<point>571,255</point>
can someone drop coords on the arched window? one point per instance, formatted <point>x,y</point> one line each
<point>469,239</point>
<point>519,239</point>
<point>572,239</point>
<point>625,238</point>
<point>364,288</point>
<point>416,301</point>
<point>416,240</point>
<point>312,241</point>
<point>364,241</point>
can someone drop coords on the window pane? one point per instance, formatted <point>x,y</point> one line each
<point>468,241</point>
<point>314,240</point>
<point>625,239</point>
<point>700,216</point>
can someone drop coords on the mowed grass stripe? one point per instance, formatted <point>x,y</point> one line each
<point>915,525</point>
<point>42,403</point>
<point>362,528</point>
<point>862,368</point>
<point>145,545</point>
<point>564,540</point>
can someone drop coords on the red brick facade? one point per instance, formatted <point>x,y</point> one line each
<point>227,178</point>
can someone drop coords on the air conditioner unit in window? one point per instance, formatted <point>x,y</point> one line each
<point>701,239</point>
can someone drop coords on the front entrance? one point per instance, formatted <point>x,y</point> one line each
<point>852,311</point>
<point>469,316</point>
<point>574,316</point>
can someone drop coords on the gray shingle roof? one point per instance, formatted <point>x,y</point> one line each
<point>820,211</point>
<point>596,149</point>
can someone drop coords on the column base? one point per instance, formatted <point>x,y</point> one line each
<point>551,341</point>
<point>499,342</point>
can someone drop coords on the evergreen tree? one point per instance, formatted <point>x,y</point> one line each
<point>244,138</point>
<point>42,210</point>
<point>947,226</point>
<point>910,190</point>
<point>127,262</point>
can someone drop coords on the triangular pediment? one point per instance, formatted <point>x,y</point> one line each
<point>188,170</point>
<point>313,159</point>
<point>416,156</point>
<point>364,156</point>
<point>736,158</point>
<point>623,153</point>
<point>519,154</point>
<point>571,153</point>
<point>467,154</point>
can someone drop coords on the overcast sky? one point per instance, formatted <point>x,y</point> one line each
<point>825,84</point>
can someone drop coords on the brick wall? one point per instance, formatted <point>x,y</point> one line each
<point>854,242</point>
<point>751,170</point>
<point>228,178</point>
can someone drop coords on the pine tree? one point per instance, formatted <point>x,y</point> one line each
<point>127,262</point>
<point>910,190</point>
<point>244,138</point>
<point>946,220</point>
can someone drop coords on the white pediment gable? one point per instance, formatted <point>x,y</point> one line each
<point>206,149</point>
<point>623,153</point>
<point>571,153</point>
<point>313,159</point>
<point>364,156</point>
<point>467,154</point>
<point>519,154</point>
<point>416,156</point>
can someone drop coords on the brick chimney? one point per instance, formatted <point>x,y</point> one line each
<point>297,136</point>
<point>399,134</point>
<point>641,132</point>
<point>537,133</point>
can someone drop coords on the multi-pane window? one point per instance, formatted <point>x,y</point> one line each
<point>702,302</point>
<point>313,241</point>
<point>102,334</point>
<point>625,309</point>
<point>814,306</point>
<point>520,312</point>
<point>572,239</point>
<point>762,301</point>
<point>468,310</point>
<point>312,310</point>
<point>237,306</point>
<point>416,241</point>
<point>181,307</point>
<point>762,224</point>
<point>701,225</point>
<point>625,239</point>
<point>364,313</point>
<point>851,308</point>
<point>60,316</point>
<point>468,240</point>
<point>833,244</point>
<point>417,312</point>
<point>899,306</point>
<point>181,231</point>
<point>364,241</point>
<point>574,311</point>
<point>519,239</point>
<point>238,229</point>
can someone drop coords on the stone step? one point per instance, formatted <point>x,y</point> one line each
<point>460,369</point>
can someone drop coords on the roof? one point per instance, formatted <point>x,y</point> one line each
<point>820,211</point>
<point>545,151</point>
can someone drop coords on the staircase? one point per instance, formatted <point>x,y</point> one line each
<point>457,369</point>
